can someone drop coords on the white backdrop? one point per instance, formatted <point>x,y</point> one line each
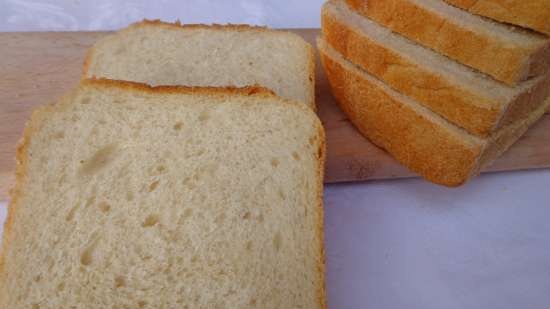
<point>390,244</point>
<point>35,15</point>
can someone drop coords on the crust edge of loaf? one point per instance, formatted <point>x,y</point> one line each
<point>506,137</point>
<point>33,124</point>
<point>532,19</point>
<point>520,59</point>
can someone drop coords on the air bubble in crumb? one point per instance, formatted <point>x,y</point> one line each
<point>151,220</point>
<point>220,218</point>
<point>187,213</point>
<point>153,186</point>
<point>90,201</point>
<point>277,241</point>
<point>274,162</point>
<point>87,254</point>
<point>71,213</point>
<point>61,286</point>
<point>120,282</point>
<point>86,259</point>
<point>104,207</point>
<point>99,160</point>
<point>178,126</point>
<point>281,194</point>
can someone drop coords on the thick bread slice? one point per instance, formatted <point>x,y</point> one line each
<point>463,96</point>
<point>509,54</point>
<point>534,14</point>
<point>418,138</point>
<point>158,53</point>
<point>169,197</point>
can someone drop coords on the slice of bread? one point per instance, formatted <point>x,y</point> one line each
<point>168,197</point>
<point>509,54</point>
<point>417,137</point>
<point>461,95</point>
<point>534,14</point>
<point>158,53</point>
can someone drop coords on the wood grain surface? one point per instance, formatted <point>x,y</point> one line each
<point>37,68</point>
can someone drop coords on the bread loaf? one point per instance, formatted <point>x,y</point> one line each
<point>463,96</point>
<point>417,137</point>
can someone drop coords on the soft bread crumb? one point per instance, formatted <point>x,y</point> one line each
<point>159,53</point>
<point>130,213</point>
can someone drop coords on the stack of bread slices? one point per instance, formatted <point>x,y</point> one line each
<point>445,89</point>
<point>184,171</point>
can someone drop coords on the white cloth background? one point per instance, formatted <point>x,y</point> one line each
<point>390,244</point>
<point>35,15</point>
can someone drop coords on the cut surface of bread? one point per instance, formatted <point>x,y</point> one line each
<point>460,94</point>
<point>509,54</point>
<point>133,197</point>
<point>418,138</point>
<point>534,14</point>
<point>158,53</point>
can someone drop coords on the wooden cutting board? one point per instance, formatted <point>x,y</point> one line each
<point>37,68</point>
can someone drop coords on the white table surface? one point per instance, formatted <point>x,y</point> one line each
<point>390,244</point>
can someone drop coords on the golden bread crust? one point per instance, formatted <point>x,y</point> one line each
<point>533,14</point>
<point>417,142</point>
<point>479,113</point>
<point>478,50</point>
<point>129,85</point>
